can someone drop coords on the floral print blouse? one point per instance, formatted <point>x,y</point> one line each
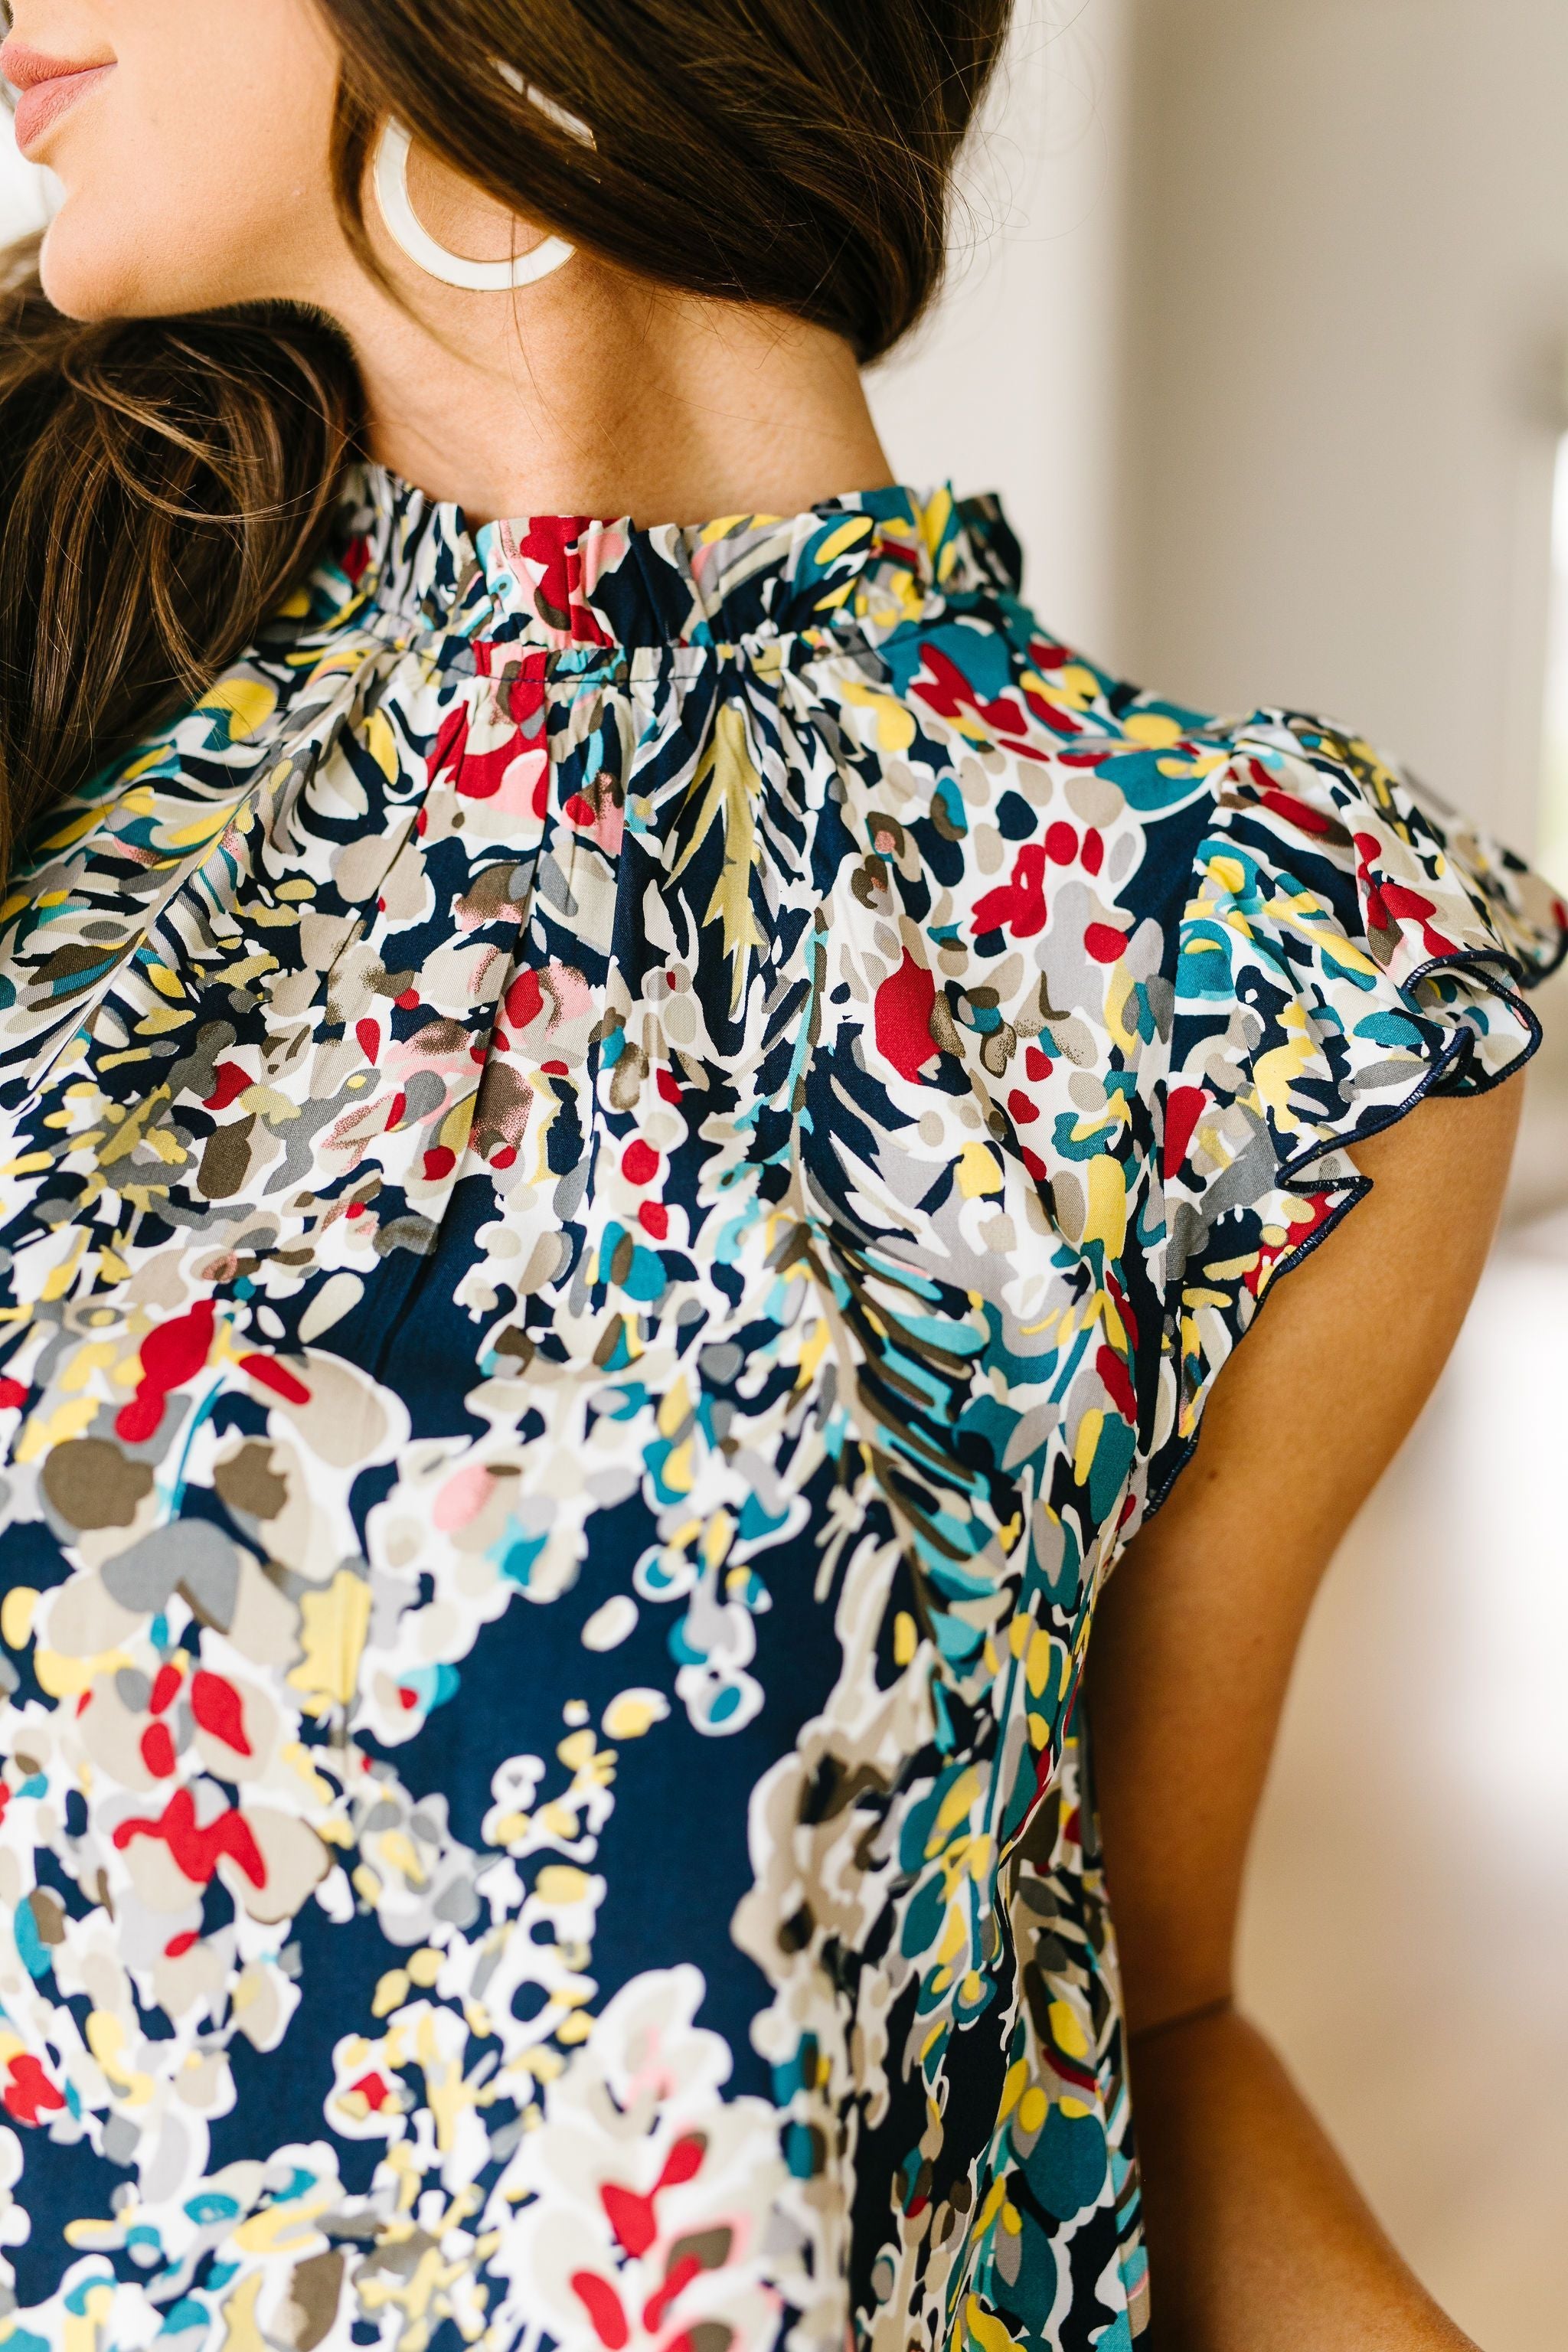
<point>625,1163</point>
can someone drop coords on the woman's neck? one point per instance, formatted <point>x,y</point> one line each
<point>593,394</point>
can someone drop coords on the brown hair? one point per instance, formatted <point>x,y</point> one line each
<point>164,483</point>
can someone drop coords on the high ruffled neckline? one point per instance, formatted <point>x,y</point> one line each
<point>857,566</point>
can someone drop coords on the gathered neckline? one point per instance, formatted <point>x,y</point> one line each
<point>857,566</point>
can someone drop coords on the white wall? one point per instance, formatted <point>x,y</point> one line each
<point>1013,385</point>
<point>1350,302</point>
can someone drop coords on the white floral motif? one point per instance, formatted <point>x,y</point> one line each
<point>651,2193</point>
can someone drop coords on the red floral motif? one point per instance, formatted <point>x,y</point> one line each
<point>1389,903</point>
<point>602,2306</point>
<point>198,1851</point>
<point>1018,905</point>
<point>507,765</point>
<point>171,1354</point>
<point>1184,1106</point>
<point>904,1007</point>
<point>217,1708</point>
<point>948,692</point>
<point>232,1081</point>
<point>28,2094</point>
<point>551,551</point>
<point>277,1377</point>
<point>634,2219</point>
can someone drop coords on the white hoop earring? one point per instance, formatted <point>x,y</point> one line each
<point>409,233</point>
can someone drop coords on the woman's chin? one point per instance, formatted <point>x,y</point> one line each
<point>101,260</point>
<point>88,272</point>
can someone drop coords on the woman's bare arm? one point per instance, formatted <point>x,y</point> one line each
<point>1257,2237</point>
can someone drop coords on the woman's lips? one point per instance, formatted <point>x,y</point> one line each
<point>47,86</point>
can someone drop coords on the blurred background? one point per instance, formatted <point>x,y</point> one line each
<point>1259,322</point>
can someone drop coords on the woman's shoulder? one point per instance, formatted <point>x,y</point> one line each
<point>1186,963</point>
<point>1052,768</point>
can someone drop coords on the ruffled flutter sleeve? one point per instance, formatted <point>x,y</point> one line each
<point>1347,947</point>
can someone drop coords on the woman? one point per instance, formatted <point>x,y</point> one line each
<point>633,1151</point>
